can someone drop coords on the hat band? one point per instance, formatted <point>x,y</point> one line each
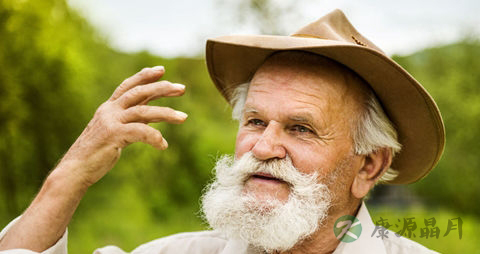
<point>357,41</point>
<point>307,36</point>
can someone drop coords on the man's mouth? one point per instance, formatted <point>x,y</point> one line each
<point>265,177</point>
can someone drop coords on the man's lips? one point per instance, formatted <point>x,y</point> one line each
<point>265,177</point>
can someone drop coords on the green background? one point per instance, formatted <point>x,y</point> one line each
<point>55,69</point>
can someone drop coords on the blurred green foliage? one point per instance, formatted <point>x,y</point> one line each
<point>55,70</point>
<point>451,75</point>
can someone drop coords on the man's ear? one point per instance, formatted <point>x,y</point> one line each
<point>374,165</point>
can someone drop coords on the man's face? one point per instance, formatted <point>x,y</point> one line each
<point>294,163</point>
<point>304,109</point>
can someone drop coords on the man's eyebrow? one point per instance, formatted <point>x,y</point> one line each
<point>250,110</point>
<point>302,118</point>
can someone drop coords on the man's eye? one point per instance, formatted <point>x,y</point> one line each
<point>257,122</point>
<point>301,128</point>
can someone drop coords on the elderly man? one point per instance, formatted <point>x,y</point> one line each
<point>323,116</point>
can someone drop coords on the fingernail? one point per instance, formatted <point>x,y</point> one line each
<point>158,68</point>
<point>181,114</point>
<point>180,86</point>
<point>164,144</point>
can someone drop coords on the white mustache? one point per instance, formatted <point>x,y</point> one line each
<point>242,169</point>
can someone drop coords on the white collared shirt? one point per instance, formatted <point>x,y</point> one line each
<point>213,242</point>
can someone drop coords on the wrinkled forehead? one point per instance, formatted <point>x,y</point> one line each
<point>328,77</point>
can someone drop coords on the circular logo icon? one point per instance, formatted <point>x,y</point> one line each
<point>347,228</point>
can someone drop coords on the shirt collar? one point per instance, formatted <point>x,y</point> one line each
<point>366,243</point>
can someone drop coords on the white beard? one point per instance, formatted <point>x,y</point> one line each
<point>270,224</point>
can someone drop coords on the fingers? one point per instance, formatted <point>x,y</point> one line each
<point>145,93</point>
<point>152,114</point>
<point>145,76</point>
<point>137,132</point>
<point>127,107</point>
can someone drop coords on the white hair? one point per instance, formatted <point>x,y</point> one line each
<point>372,131</point>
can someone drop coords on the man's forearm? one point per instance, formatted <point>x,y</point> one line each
<point>46,219</point>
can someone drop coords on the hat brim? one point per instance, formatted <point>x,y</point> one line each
<point>233,60</point>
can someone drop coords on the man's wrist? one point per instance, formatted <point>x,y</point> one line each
<point>66,178</point>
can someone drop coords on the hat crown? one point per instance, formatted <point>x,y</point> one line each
<point>335,26</point>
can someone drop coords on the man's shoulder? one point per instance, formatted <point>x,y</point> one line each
<point>400,245</point>
<point>189,242</point>
<point>197,235</point>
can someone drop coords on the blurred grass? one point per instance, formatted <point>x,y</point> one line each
<point>127,233</point>
<point>126,221</point>
<point>444,244</point>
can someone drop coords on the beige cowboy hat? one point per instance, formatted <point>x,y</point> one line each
<point>232,60</point>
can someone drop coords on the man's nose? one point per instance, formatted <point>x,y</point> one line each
<point>270,144</point>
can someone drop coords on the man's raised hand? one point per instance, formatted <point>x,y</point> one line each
<point>123,120</point>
